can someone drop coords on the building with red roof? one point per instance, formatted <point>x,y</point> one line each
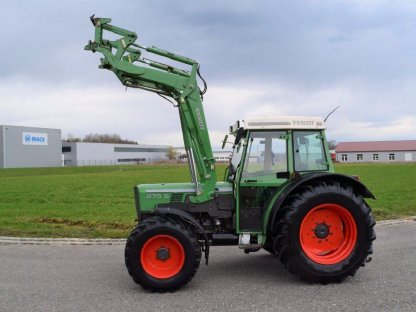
<point>376,151</point>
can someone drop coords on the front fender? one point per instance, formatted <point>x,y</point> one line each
<point>184,215</point>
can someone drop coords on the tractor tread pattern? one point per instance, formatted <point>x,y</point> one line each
<point>154,223</point>
<point>283,247</point>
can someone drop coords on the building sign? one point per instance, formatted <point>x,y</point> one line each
<point>30,138</point>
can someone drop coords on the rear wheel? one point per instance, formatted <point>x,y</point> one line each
<point>162,254</point>
<point>326,232</point>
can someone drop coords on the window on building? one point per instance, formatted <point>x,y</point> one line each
<point>344,157</point>
<point>359,157</point>
<point>130,160</point>
<point>66,149</point>
<point>375,156</point>
<point>139,149</point>
<point>392,157</point>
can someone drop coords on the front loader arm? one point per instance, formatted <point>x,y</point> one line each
<point>160,80</point>
<point>124,58</point>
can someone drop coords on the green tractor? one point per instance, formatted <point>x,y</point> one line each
<point>279,193</point>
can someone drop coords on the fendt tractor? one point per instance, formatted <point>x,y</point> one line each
<point>279,193</point>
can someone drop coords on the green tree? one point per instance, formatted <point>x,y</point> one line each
<point>171,153</point>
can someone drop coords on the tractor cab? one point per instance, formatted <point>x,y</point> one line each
<point>267,153</point>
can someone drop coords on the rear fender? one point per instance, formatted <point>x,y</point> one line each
<point>279,198</point>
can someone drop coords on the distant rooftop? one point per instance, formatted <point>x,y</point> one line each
<point>376,146</point>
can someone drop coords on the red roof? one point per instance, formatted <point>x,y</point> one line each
<point>376,146</point>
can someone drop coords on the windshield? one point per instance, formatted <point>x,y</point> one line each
<point>236,156</point>
<point>266,154</point>
<point>235,160</point>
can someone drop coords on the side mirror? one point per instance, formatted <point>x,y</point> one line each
<point>225,141</point>
<point>239,135</point>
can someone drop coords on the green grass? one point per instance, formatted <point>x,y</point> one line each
<point>392,184</point>
<point>75,201</point>
<point>98,201</point>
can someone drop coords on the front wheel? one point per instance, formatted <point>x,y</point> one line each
<point>162,254</point>
<point>326,232</point>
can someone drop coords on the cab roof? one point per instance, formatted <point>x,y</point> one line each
<point>280,122</point>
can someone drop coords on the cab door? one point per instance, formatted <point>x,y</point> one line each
<point>263,172</point>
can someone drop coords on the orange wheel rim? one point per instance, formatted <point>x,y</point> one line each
<point>328,234</point>
<point>162,256</point>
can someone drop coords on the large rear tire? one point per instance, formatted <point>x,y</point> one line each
<point>326,232</point>
<point>162,254</point>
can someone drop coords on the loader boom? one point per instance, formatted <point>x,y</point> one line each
<point>124,58</point>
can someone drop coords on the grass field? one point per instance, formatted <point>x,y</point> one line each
<point>98,201</point>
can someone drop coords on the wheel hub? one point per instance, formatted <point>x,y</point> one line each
<point>328,233</point>
<point>162,253</point>
<point>162,256</point>
<point>322,230</point>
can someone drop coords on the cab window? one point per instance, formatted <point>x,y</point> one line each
<point>266,154</point>
<point>309,152</point>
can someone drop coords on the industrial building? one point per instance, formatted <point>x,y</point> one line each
<point>376,151</point>
<point>26,147</point>
<point>101,154</point>
<point>219,155</point>
<point>22,147</point>
<point>222,156</point>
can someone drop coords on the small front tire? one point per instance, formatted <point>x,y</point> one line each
<point>162,254</point>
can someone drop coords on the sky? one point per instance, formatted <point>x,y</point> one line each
<point>260,58</point>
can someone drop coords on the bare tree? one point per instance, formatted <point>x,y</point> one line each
<point>71,138</point>
<point>98,138</point>
<point>332,144</point>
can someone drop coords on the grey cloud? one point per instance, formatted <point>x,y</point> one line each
<point>306,47</point>
<point>306,42</point>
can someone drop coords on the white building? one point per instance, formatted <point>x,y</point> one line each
<point>100,154</point>
<point>220,156</point>
<point>377,151</point>
<point>26,147</point>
